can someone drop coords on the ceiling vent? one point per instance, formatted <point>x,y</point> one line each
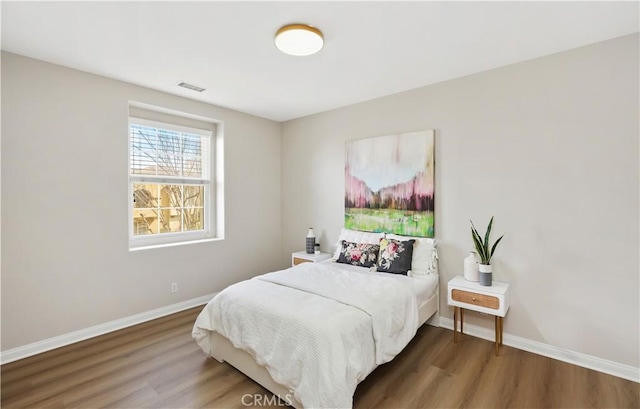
<point>191,87</point>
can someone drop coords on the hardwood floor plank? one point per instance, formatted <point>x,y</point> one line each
<point>466,360</point>
<point>531,375</point>
<point>109,381</point>
<point>213,379</point>
<point>69,359</point>
<point>495,373</point>
<point>112,395</point>
<point>157,365</point>
<point>52,359</point>
<point>138,399</point>
<point>89,377</point>
<point>438,389</point>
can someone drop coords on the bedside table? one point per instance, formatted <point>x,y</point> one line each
<point>302,257</point>
<point>493,300</point>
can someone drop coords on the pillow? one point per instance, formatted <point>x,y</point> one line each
<point>358,254</point>
<point>424,255</point>
<point>355,236</point>
<point>395,256</point>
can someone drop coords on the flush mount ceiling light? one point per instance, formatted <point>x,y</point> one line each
<point>299,39</point>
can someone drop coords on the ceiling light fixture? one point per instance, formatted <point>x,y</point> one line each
<point>299,39</point>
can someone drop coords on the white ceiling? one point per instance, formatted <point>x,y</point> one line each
<point>371,49</point>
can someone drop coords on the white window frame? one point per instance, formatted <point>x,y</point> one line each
<point>163,239</point>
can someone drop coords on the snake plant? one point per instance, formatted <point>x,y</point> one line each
<point>484,249</point>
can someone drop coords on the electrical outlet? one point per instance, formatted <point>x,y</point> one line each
<point>174,288</point>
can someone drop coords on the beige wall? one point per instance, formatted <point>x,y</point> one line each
<point>548,146</point>
<point>66,264</point>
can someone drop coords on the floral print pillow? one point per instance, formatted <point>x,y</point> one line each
<point>358,254</point>
<point>395,256</point>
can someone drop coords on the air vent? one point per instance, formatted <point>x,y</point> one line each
<point>191,87</point>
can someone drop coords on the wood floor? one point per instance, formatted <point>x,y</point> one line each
<point>158,365</point>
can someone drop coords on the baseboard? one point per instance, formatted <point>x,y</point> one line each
<point>576,358</point>
<point>39,347</point>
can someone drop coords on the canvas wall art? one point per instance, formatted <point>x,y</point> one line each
<point>389,184</point>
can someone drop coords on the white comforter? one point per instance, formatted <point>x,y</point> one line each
<point>318,330</point>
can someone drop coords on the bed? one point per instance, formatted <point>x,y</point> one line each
<point>312,332</point>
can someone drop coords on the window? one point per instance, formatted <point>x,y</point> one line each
<point>169,183</point>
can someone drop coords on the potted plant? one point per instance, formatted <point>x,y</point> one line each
<point>485,252</point>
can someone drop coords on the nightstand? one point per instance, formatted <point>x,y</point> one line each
<point>493,300</point>
<point>302,257</point>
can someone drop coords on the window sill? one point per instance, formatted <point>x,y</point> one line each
<point>176,243</point>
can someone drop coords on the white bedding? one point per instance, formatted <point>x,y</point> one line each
<point>423,286</point>
<point>318,328</point>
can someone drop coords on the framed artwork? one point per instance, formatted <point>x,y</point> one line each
<point>389,184</point>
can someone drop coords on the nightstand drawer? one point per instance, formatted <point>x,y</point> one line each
<point>297,261</point>
<point>481,300</point>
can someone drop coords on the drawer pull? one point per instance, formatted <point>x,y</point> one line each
<point>474,298</point>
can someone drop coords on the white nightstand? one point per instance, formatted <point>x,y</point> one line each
<point>302,257</point>
<point>493,300</point>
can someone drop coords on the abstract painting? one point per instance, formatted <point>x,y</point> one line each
<point>389,184</point>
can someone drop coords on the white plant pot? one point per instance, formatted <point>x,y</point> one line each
<point>485,273</point>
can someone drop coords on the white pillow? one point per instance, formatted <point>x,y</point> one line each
<point>424,260</point>
<point>355,236</point>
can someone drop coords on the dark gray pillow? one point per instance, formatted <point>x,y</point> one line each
<point>395,256</point>
<point>358,254</point>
